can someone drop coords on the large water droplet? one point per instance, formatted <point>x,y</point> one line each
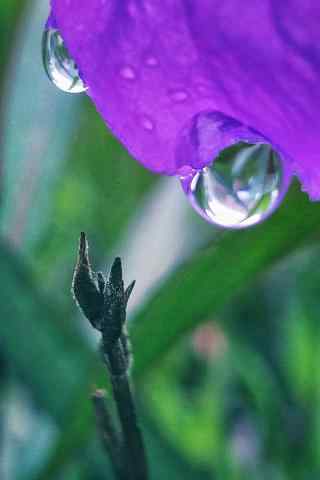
<point>241,187</point>
<point>59,66</point>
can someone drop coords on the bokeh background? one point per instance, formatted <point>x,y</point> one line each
<point>225,325</point>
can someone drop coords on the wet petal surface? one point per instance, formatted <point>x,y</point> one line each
<point>152,66</point>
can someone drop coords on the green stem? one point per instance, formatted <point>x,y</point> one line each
<point>109,436</point>
<point>132,437</point>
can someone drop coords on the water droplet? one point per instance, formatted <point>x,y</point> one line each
<point>152,61</point>
<point>204,90</point>
<point>240,188</point>
<point>179,96</point>
<point>59,66</point>
<point>147,123</point>
<point>128,73</point>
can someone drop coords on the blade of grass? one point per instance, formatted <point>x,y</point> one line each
<point>10,13</point>
<point>203,285</point>
<point>38,339</point>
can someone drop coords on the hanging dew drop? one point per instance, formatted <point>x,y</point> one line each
<point>241,187</point>
<point>59,66</point>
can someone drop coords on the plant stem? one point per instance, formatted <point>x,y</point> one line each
<point>103,300</point>
<point>132,437</point>
<point>109,436</point>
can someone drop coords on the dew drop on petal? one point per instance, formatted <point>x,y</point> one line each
<point>179,96</point>
<point>128,73</point>
<point>59,66</point>
<point>147,123</point>
<point>240,188</point>
<point>152,61</point>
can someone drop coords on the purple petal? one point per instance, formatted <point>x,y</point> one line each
<point>152,66</point>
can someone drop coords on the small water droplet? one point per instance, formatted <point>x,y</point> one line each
<point>152,61</point>
<point>59,66</point>
<point>204,90</point>
<point>179,96</point>
<point>147,123</point>
<point>128,73</point>
<point>240,188</point>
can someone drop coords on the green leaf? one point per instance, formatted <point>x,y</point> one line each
<point>99,190</point>
<point>211,278</point>
<point>33,147</point>
<point>39,340</point>
<point>10,13</point>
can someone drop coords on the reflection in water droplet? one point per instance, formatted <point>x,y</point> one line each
<point>59,66</point>
<point>179,96</point>
<point>240,188</point>
<point>128,73</point>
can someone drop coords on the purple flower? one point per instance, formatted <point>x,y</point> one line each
<point>157,69</point>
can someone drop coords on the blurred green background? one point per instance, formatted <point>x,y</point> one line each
<point>225,325</point>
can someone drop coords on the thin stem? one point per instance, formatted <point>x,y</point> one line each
<point>132,437</point>
<point>108,434</point>
<point>104,301</point>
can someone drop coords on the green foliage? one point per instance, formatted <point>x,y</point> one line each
<point>213,275</point>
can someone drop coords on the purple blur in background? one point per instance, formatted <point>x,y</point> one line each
<point>152,66</point>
